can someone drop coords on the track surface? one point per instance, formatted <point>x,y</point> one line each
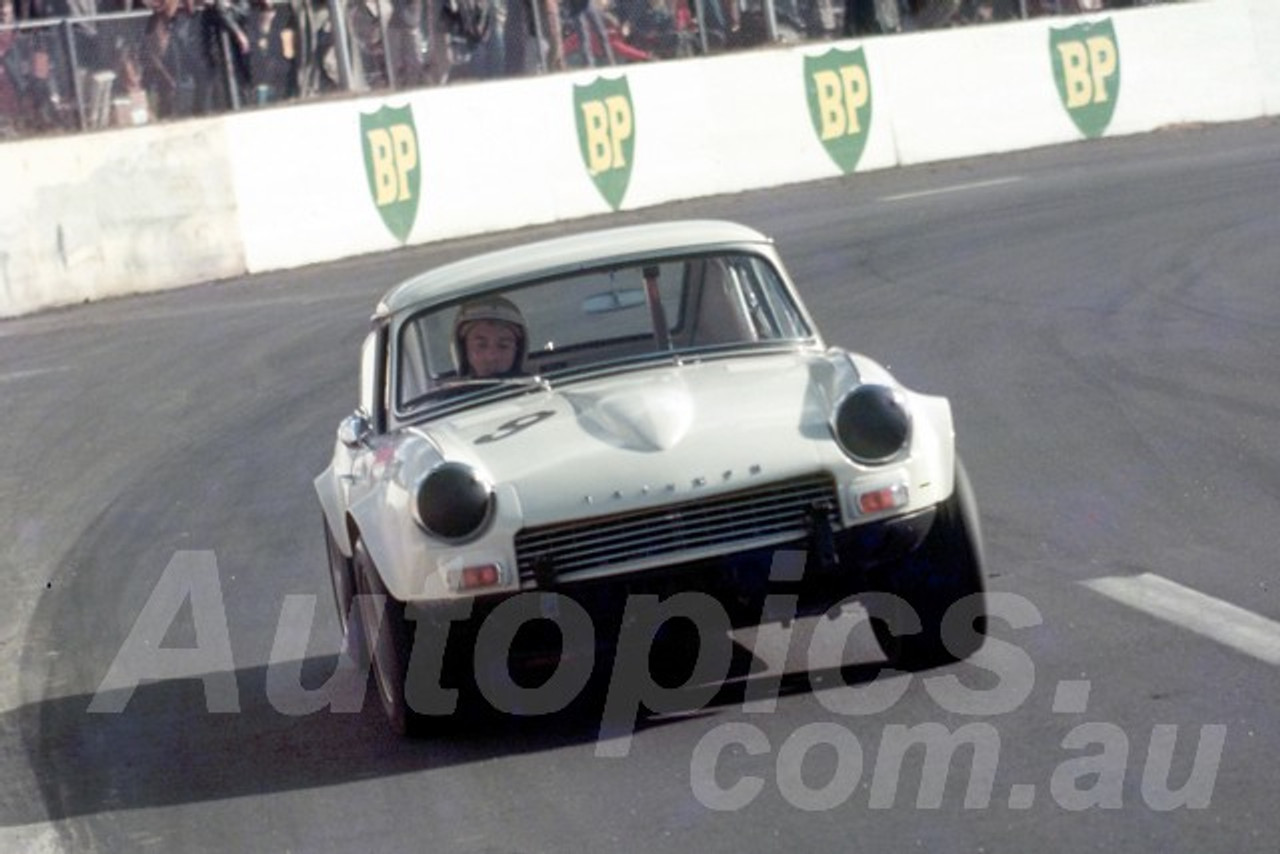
<point>1106,320</point>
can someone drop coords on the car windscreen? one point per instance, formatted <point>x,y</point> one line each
<point>590,319</point>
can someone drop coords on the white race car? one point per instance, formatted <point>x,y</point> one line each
<point>550,434</point>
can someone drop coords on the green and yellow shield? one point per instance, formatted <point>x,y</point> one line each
<point>1086,69</point>
<point>838,86</point>
<point>391,162</point>
<point>606,121</point>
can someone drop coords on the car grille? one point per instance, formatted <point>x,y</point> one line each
<point>773,513</point>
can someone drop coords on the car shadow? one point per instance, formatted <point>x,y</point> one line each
<point>164,747</point>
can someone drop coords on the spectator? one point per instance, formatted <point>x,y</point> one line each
<point>84,29</point>
<point>649,26</point>
<point>871,17</point>
<point>523,24</point>
<point>587,35</point>
<point>273,52</point>
<point>490,58</point>
<point>129,80</point>
<point>986,11</point>
<point>475,37</point>
<point>224,38</point>
<point>42,56</point>
<point>370,61</point>
<point>12,73</point>
<point>404,44</point>
<point>171,57</point>
<point>222,57</point>
<point>43,96</point>
<point>439,44</point>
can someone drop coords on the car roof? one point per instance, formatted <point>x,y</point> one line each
<point>564,254</point>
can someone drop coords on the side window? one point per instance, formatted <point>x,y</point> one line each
<point>772,313</point>
<point>718,314</point>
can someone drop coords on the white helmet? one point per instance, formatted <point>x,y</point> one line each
<point>495,309</point>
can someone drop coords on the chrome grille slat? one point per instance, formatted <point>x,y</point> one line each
<point>688,528</point>
<point>715,523</point>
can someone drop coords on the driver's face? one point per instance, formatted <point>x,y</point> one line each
<point>491,348</point>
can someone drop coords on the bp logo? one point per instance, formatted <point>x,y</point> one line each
<point>1086,68</point>
<point>839,91</point>
<point>606,123</point>
<point>391,161</point>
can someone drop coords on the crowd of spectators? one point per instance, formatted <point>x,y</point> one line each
<point>72,64</point>
<point>84,63</point>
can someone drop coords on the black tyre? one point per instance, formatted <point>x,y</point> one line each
<point>344,585</point>
<point>941,583</point>
<point>388,641</point>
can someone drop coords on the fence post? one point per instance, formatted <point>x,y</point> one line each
<point>770,21</point>
<point>228,61</point>
<point>342,48</point>
<point>389,61</point>
<point>699,9</point>
<point>535,9</point>
<point>69,48</point>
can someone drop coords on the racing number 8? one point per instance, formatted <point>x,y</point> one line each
<point>514,426</point>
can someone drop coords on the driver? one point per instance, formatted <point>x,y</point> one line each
<point>489,339</point>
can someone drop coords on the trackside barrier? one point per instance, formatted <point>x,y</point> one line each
<point>154,207</point>
<point>95,215</point>
<point>1265,18</point>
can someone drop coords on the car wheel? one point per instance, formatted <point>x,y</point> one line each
<point>344,586</point>
<point>946,569</point>
<point>388,642</point>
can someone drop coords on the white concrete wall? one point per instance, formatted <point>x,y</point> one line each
<point>1195,64</point>
<point>133,210</point>
<point>83,217</point>
<point>1264,19</point>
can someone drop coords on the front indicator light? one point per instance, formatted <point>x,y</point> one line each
<point>476,577</point>
<point>882,499</point>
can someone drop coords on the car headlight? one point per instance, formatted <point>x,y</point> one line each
<point>453,502</point>
<point>872,423</point>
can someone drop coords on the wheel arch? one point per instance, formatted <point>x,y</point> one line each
<point>331,506</point>
<point>366,521</point>
<point>934,443</point>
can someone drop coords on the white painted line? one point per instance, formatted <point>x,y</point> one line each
<point>1223,622</point>
<point>34,372</point>
<point>955,188</point>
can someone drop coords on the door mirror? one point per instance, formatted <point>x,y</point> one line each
<point>353,430</point>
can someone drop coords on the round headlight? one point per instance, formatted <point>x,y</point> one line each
<point>453,502</point>
<point>872,423</point>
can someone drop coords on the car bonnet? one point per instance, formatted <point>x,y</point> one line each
<point>680,432</point>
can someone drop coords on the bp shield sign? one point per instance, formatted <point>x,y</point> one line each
<point>390,144</point>
<point>838,87</point>
<point>605,118</point>
<point>1086,69</point>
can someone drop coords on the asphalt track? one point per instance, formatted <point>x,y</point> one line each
<point>1105,318</point>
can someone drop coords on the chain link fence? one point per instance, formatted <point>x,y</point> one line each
<point>183,58</point>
